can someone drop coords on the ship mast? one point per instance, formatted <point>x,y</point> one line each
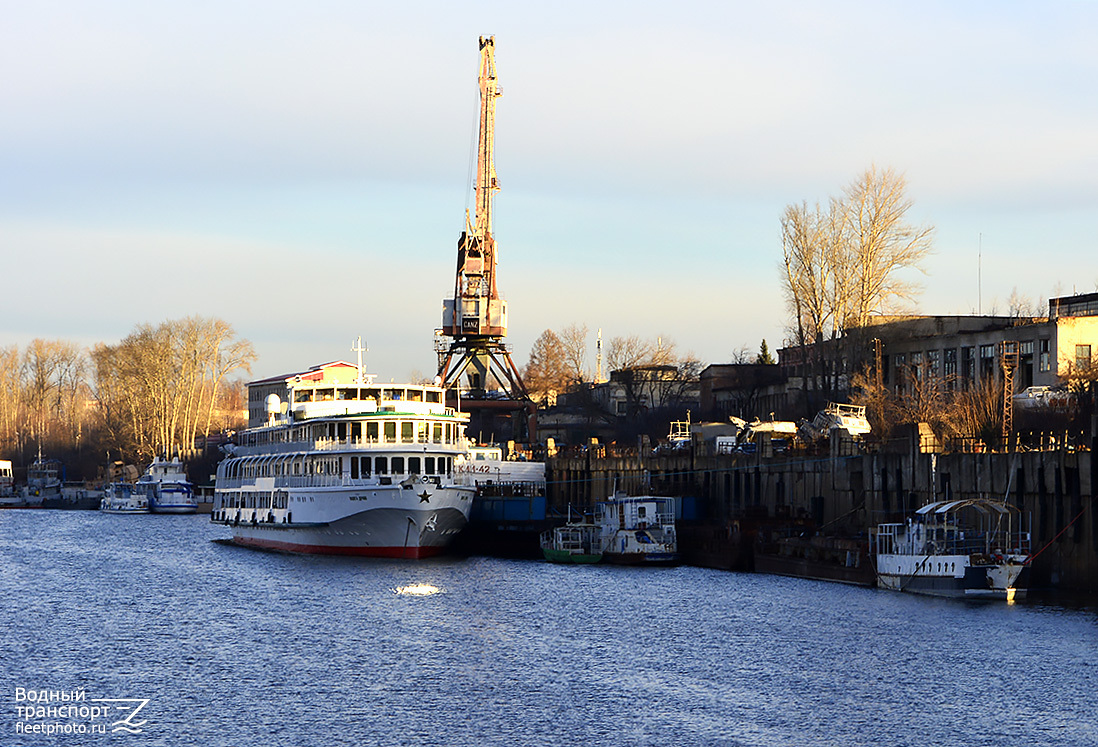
<point>474,322</point>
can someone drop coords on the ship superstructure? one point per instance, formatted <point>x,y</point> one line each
<point>342,465</point>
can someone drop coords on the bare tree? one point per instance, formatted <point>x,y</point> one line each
<point>880,243</point>
<point>629,352</point>
<point>11,385</point>
<point>808,263</point>
<point>573,340</point>
<point>840,266</point>
<point>52,374</point>
<point>1020,305</point>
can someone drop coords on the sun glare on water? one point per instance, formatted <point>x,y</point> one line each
<point>417,590</point>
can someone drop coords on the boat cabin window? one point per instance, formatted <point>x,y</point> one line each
<point>346,394</point>
<point>371,433</point>
<point>423,432</point>
<point>381,465</point>
<point>398,465</point>
<point>370,393</point>
<point>437,433</point>
<point>390,432</point>
<point>406,432</point>
<point>303,395</point>
<point>415,395</point>
<point>394,394</point>
<point>429,465</point>
<point>354,468</point>
<point>413,465</point>
<point>433,397</point>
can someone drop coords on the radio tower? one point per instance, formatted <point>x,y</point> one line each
<point>474,323</point>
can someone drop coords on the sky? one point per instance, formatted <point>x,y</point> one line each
<point>302,170</point>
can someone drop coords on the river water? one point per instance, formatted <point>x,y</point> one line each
<point>231,646</point>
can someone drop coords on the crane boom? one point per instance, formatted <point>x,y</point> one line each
<point>477,308</point>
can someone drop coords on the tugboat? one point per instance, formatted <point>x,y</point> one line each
<point>44,477</point>
<point>8,496</point>
<point>973,549</point>
<point>638,530</point>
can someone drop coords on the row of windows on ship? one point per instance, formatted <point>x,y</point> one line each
<point>357,467</point>
<point>359,432</point>
<point>330,393</point>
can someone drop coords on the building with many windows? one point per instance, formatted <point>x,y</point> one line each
<point>951,352</point>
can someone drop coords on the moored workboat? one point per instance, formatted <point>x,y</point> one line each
<point>638,530</point>
<point>44,478</point>
<point>974,549</point>
<point>347,467</point>
<point>578,542</point>
<point>509,507</point>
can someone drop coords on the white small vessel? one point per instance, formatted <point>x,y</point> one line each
<point>8,496</point>
<point>638,530</point>
<point>123,498</point>
<point>166,488</point>
<point>972,549</point>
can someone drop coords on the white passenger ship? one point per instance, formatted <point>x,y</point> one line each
<point>340,465</point>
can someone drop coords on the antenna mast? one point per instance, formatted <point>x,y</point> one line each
<point>360,349</point>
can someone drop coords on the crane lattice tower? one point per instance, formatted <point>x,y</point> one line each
<point>474,322</point>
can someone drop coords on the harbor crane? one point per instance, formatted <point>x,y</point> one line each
<point>470,342</point>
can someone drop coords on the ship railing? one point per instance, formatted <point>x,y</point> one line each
<point>980,543</point>
<point>516,489</point>
<point>335,444</point>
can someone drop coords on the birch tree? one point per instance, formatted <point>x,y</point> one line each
<point>159,387</point>
<point>879,242</point>
<point>842,265</point>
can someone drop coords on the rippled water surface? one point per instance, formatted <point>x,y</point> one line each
<point>237,647</point>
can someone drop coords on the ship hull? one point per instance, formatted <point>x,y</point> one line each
<point>915,575</point>
<point>381,532</point>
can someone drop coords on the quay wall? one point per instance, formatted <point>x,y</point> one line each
<point>846,493</point>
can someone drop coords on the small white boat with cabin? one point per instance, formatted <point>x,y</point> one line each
<point>8,497</point>
<point>124,498</point>
<point>638,530</point>
<point>973,549</point>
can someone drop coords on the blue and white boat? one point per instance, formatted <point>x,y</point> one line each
<point>167,489</point>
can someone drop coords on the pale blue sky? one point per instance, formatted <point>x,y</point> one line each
<point>302,170</point>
